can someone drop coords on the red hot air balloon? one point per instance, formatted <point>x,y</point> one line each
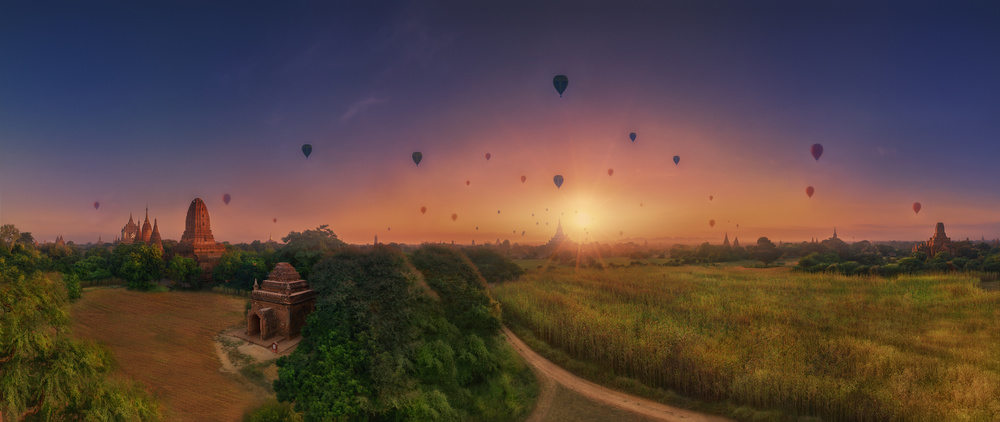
<point>816,150</point>
<point>916,208</point>
<point>610,172</point>
<point>488,156</point>
<point>423,210</point>
<point>809,191</point>
<point>275,220</point>
<point>710,197</point>
<point>523,178</point>
<point>97,205</point>
<point>468,182</point>
<point>454,217</point>
<point>226,198</point>
<point>711,223</point>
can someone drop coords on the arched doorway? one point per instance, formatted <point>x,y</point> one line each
<point>253,324</point>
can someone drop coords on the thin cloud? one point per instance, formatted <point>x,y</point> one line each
<point>360,106</point>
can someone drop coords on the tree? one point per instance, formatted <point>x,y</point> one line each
<point>46,374</point>
<point>182,270</point>
<point>765,251</point>
<point>492,265</point>
<point>239,269</point>
<point>26,239</point>
<point>305,249</point>
<point>8,235</point>
<point>138,264</point>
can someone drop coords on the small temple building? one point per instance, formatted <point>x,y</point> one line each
<point>937,243</point>
<point>559,238</point>
<point>197,241</point>
<point>279,305</point>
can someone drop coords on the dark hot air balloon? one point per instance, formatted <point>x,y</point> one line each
<point>423,210</point>
<point>810,191</point>
<point>307,149</point>
<point>916,208</point>
<point>417,156</point>
<point>498,211</point>
<point>468,182</point>
<point>558,180</point>
<point>711,223</point>
<point>560,82</point>
<point>677,159</point>
<point>275,220</point>
<point>523,178</point>
<point>522,233</point>
<point>454,217</point>
<point>816,150</point>
<point>632,135</point>
<point>710,197</point>
<point>97,205</point>
<point>610,172</point>
<point>226,198</point>
<point>488,155</point>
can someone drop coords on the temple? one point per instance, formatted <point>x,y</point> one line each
<point>148,233</point>
<point>725,242</point>
<point>197,242</point>
<point>937,243</point>
<point>279,306</point>
<point>559,237</point>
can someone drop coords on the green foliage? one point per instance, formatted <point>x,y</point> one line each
<point>45,374</point>
<point>73,289</point>
<point>8,236</point>
<point>461,288</point>
<point>305,249</point>
<point>238,269</point>
<point>493,266</point>
<point>272,411</point>
<point>181,269</point>
<point>138,264</point>
<point>379,346</point>
<point>93,267</point>
<point>765,251</point>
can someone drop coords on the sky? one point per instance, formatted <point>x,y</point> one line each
<point>135,105</point>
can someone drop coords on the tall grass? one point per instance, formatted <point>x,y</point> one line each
<point>845,348</point>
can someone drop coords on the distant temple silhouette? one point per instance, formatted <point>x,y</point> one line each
<point>937,243</point>
<point>559,237</point>
<point>149,233</point>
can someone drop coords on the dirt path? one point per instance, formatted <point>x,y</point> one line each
<point>641,406</point>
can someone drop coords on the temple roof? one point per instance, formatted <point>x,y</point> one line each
<point>284,272</point>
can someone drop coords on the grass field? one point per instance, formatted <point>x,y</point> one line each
<point>913,348</point>
<point>165,341</point>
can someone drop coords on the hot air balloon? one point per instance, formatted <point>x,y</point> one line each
<point>477,227</point>
<point>916,208</point>
<point>816,150</point>
<point>558,180</point>
<point>809,191</point>
<point>423,210</point>
<point>97,205</point>
<point>640,204</point>
<point>488,155</point>
<point>711,223</point>
<point>307,149</point>
<point>467,182</point>
<point>710,197</point>
<point>417,156</point>
<point>560,82</point>
<point>226,198</point>
<point>498,211</point>
<point>621,233</point>
<point>388,229</point>
<point>522,233</point>
<point>454,217</point>
<point>610,172</point>
<point>677,159</point>
<point>275,220</point>
<point>523,178</point>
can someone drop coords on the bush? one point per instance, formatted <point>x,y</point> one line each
<point>493,266</point>
<point>272,411</point>
<point>73,288</point>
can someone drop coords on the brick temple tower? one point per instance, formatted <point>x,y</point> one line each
<point>197,241</point>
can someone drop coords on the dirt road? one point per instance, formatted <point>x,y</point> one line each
<point>640,406</point>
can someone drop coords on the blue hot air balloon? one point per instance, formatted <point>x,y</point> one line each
<point>632,135</point>
<point>417,156</point>
<point>677,159</point>
<point>307,149</point>
<point>560,82</point>
<point>558,180</point>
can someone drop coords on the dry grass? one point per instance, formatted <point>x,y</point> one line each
<point>164,340</point>
<point>913,348</point>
